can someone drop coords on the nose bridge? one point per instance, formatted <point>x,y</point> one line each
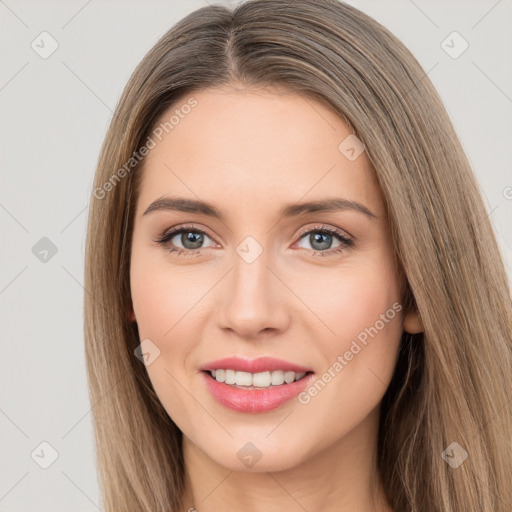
<point>253,299</point>
<point>250,277</point>
<point>250,272</point>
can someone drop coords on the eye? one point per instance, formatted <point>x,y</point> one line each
<point>321,239</point>
<point>190,238</point>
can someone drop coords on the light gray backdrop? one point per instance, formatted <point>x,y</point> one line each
<point>55,108</point>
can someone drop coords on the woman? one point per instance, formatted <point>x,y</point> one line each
<point>295,297</point>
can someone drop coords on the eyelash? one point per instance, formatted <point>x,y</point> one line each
<point>169,235</point>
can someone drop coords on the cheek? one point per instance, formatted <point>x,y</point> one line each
<point>364,316</point>
<point>158,309</point>
<point>161,294</point>
<point>352,301</point>
<point>167,312</point>
<point>355,377</point>
<point>154,303</point>
<point>165,303</point>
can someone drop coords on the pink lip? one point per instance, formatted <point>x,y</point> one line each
<point>254,400</point>
<point>262,364</point>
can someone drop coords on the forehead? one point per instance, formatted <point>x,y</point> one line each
<point>254,147</point>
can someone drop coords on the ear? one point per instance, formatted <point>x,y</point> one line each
<point>131,315</point>
<point>412,322</point>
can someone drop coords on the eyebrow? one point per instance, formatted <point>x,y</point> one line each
<point>290,210</point>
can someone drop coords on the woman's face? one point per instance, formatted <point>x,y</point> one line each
<point>315,288</point>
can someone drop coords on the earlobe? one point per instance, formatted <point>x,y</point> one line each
<point>131,315</point>
<point>413,323</point>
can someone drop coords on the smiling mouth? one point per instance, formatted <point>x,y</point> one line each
<point>261,380</point>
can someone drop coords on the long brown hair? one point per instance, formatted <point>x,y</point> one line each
<point>451,383</point>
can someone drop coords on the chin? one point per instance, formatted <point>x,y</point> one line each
<point>257,456</point>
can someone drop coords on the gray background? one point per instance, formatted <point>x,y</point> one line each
<point>54,115</point>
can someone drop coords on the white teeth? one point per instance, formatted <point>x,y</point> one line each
<point>230,377</point>
<point>261,380</point>
<point>258,380</point>
<point>277,378</point>
<point>289,377</point>
<point>243,379</point>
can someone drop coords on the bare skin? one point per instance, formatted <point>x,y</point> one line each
<point>249,152</point>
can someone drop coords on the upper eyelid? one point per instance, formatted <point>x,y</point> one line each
<point>322,227</point>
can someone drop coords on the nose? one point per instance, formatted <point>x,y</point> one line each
<point>253,298</point>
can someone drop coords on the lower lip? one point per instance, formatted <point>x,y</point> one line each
<point>255,400</point>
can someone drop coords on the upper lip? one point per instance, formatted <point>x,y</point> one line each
<point>260,364</point>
